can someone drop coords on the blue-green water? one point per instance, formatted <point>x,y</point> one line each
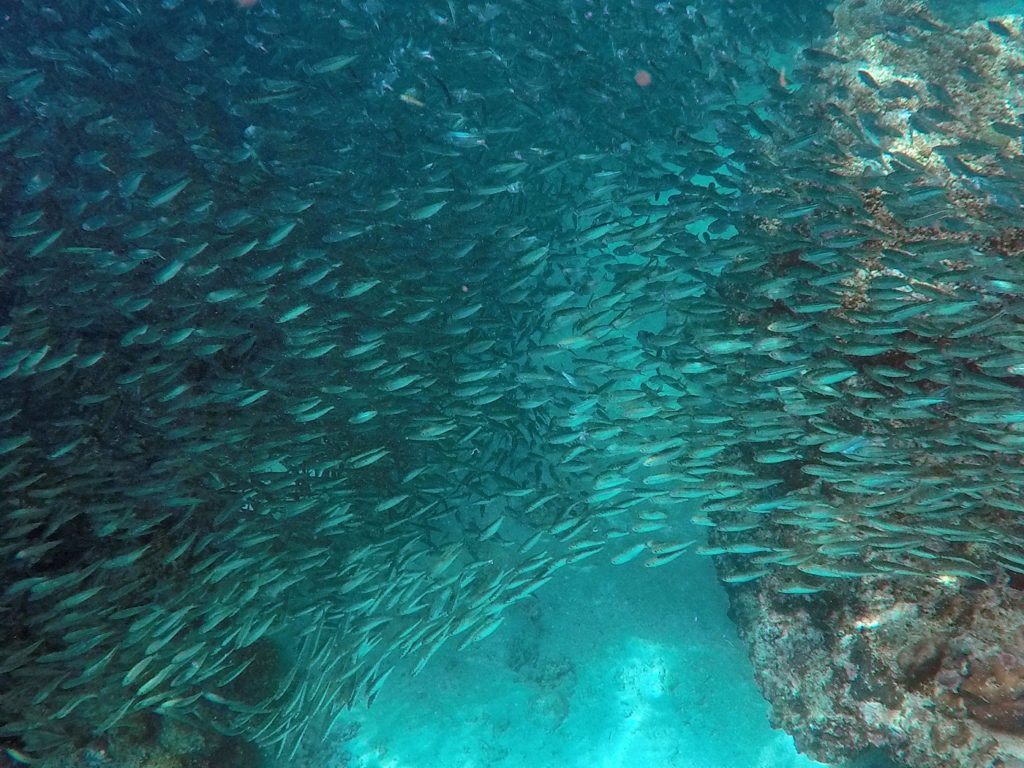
<point>480,384</point>
<point>614,668</point>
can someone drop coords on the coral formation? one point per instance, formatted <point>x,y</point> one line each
<point>903,81</point>
<point>930,674</point>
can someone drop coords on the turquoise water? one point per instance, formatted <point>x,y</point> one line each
<point>617,667</point>
<point>967,13</point>
<point>500,384</point>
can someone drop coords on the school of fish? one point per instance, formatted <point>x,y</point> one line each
<point>331,330</point>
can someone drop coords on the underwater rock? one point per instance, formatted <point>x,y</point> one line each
<point>911,91</point>
<point>931,674</point>
<point>920,662</point>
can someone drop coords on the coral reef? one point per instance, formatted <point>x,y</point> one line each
<point>904,83</point>
<point>922,665</point>
<point>929,674</point>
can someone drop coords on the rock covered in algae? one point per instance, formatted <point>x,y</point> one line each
<point>931,676</point>
<point>909,89</point>
<point>926,673</point>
